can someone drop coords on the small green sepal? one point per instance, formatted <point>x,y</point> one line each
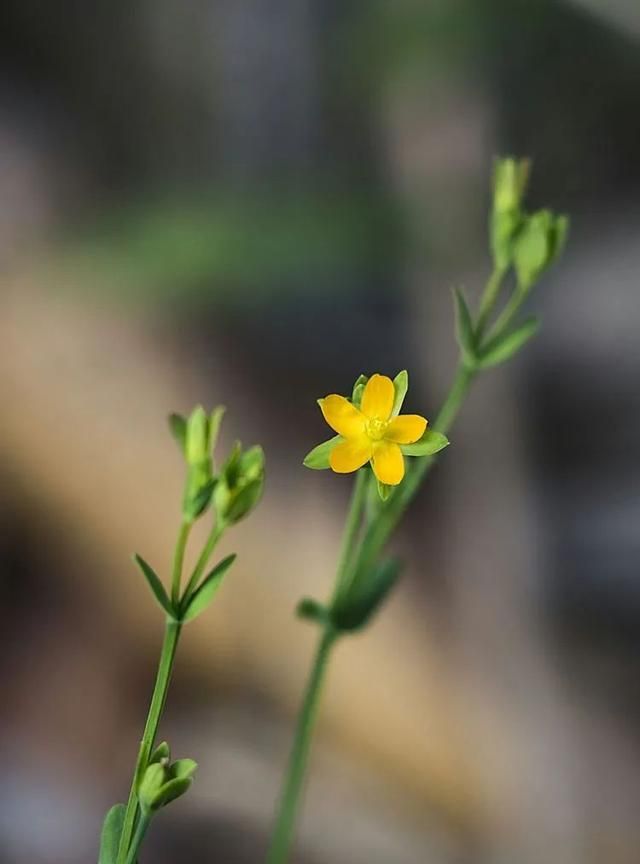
<point>153,580</point>
<point>384,490</point>
<point>400,385</point>
<point>430,443</point>
<point>318,458</point>
<point>162,753</point>
<point>358,389</point>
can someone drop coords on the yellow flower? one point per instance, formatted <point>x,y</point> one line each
<point>371,433</point>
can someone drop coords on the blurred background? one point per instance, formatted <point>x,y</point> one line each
<point>250,203</point>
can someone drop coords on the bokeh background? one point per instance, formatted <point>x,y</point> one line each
<point>250,203</point>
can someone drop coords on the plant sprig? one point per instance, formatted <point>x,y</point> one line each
<point>523,244</point>
<point>229,494</point>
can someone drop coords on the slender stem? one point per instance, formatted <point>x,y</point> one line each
<point>375,537</point>
<point>352,527</point>
<point>158,699</point>
<point>510,310</point>
<point>489,299</point>
<point>178,561</point>
<point>138,837</point>
<point>290,801</point>
<point>201,563</point>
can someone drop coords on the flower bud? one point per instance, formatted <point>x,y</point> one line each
<point>197,439</point>
<point>538,245</point>
<point>510,177</point>
<point>240,484</point>
<point>163,782</point>
<point>200,435</point>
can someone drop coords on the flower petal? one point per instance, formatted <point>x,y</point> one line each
<point>378,397</point>
<point>350,455</point>
<point>388,462</point>
<point>406,429</point>
<point>343,417</point>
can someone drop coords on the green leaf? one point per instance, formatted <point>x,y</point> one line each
<point>384,490</point>
<point>318,458</point>
<point>400,385</point>
<point>366,595</point>
<point>203,595</point>
<point>430,443</point>
<point>110,835</point>
<point>311,610</point>
<point>505,346</point>
<point>464,329</point>
<point>155,584</point>
<point>178,428</point>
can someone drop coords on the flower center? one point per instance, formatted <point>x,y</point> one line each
<point>376,428</point>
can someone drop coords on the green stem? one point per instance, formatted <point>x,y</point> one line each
<point>350,535</point>
<point>178,561</point>
<point>290,802</point>
<point>138,837</point>
<point>158,699</point>
<point>210,545</point>
<point>508,313</point>
<point>489,300</point>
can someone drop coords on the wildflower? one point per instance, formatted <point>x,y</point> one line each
<point>371,432</point>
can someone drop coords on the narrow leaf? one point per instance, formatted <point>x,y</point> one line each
<point>155,584</point>
<point>430,443</point>
<point>318,458</point>
<point>203,595</point>
<point>110,836</point>
<point>505,346</point>
<point>311,610</point>
<point>400,385</point>
<point>464,328</point>
<point>178,428</point>
<point>368,592</point>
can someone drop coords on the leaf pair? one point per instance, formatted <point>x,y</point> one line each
<point>360,601</point>
<point>192,605</point>
<point>497,350</point>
